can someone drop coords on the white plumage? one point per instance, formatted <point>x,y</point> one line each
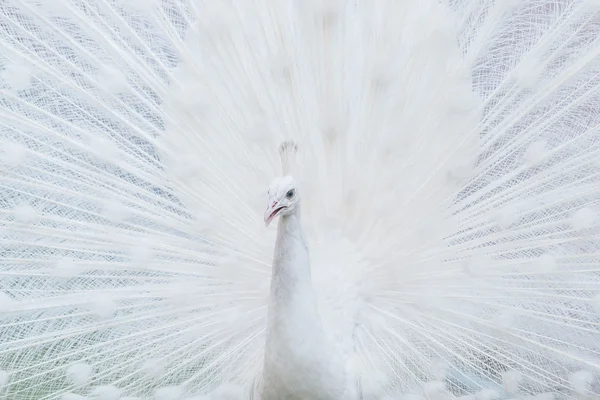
<point>301,361</point>
<point>448,168</point>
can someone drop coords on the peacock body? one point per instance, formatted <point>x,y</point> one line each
<point>447,164</point>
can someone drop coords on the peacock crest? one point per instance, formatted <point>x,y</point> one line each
<point>287,155</point>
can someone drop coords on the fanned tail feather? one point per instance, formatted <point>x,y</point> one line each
<point>450,181</point>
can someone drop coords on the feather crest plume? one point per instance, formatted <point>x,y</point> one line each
<point>287,154</point>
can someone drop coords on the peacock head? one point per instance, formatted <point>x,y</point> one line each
<point>283,194</point>
<point>283,198</point>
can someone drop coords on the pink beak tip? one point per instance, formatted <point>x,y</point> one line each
<point>269,216</point>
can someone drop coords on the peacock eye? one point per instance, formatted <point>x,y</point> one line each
<point>290,194</point>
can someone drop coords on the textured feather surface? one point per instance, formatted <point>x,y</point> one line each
<point>448,167</point>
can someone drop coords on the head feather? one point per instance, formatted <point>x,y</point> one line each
<point>287,154</point>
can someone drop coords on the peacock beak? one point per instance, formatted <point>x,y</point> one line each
<point>273,211</point>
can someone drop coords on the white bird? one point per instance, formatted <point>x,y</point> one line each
<point>301,362</point>
<point>447,167</point>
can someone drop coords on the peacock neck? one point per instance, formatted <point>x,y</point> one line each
<point>298,354</point>
<point>292,301</point>
<point>291,266</point>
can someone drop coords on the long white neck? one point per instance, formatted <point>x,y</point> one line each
<point>291,265</point>
<point>296,344</point>
<point>291,285</point>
